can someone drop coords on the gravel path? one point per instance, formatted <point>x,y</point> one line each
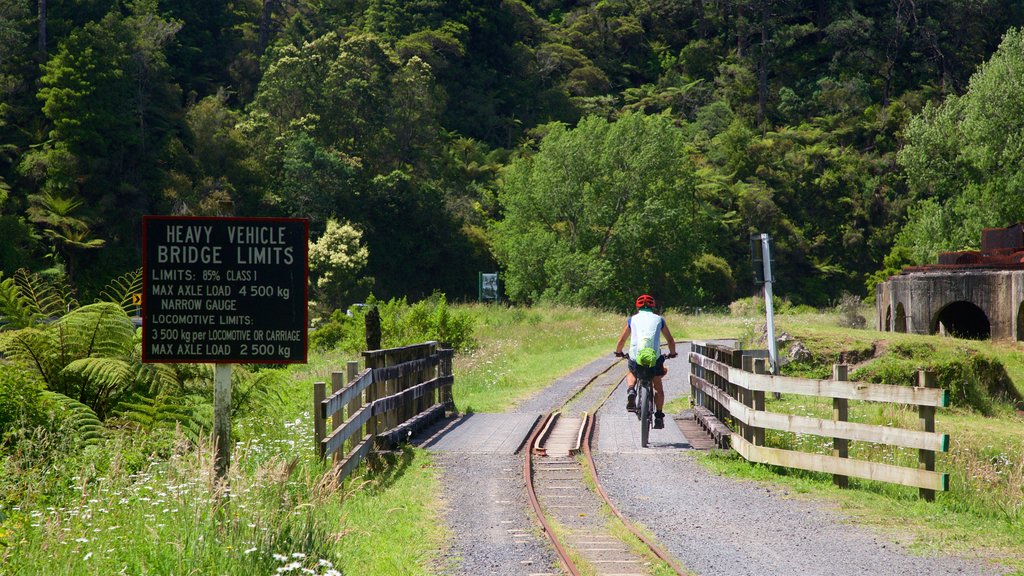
<point>487,513</point>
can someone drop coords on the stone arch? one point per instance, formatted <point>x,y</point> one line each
<point>962,319</point>
<point>887,327</point>
<point>900,322</point>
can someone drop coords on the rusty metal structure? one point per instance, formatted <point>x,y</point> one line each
<point>969,294</point>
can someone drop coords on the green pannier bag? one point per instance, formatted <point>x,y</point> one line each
<point>647,357</point>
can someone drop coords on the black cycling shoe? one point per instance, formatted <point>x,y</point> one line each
<point>659,419</point>
<point>631,401</point>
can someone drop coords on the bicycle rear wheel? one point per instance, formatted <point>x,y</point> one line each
<point>644,407</point>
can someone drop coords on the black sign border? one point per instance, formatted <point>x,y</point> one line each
<point>145,292</point>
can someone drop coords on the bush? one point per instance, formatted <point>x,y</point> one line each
<point>21,404</point>
<point>401,324</point>
<point>849,309</point>
<point>713,279</point>
<point>973,380</point>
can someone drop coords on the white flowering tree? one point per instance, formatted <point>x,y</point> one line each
<point>336,261</point>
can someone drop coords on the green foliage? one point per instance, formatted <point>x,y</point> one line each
<point>21,403</point>
<point>974,380</point>
<point>893,263</point>
<point>962,158</point>
<point>601,213</point>
<point>123,289</point>
<point>88,354</point>
<point>27,299</point>
<point>713,280</point>
<point>335,260</point>
<point>75,416</point>
<point>401,324</point>
<point>163,411</point>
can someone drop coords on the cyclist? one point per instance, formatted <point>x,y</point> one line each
<point>644,329</point>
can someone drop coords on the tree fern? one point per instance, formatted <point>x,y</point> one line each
<point>15,310</point>
<point>79,416</point>
<point>122,289</point>
<point>87,354</point>
<point>47,298</point>
<point>164,412</point>
<point>253,391</point>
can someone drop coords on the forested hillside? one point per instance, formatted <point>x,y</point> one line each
<point>588,149</point>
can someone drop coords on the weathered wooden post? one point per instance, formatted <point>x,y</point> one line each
<point>319,394</point>
<point>759,368</point>
<point>926,458</point>
<point>337,419</point>
<point>352,369</point>
<point>445,369</point>
<point>374,359</point>
<point>747,399</point>
<point>840,413</point>
<point>222,417</point>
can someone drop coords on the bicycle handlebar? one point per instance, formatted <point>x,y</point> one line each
<point>669,355</point>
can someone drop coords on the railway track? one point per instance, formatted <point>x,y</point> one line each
<point>585,528</point>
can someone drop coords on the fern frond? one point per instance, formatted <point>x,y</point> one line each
<point>120,290</point>
<point>162,412</point>
<point>257,391</point>
<point>15,310</point>
<point>79,416</point>
<point>107,373</point>
<point>34,349</point>
<point>101,329</point>
<point>48,299</point>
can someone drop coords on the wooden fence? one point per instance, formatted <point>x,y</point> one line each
<point>728,386</point>
<point>399,391</point>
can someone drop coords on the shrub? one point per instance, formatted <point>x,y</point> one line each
<point>713,278</point>
<point>21,404</point>
<point>849,309</point>
<point>973,380</point>
<point>401,324</point>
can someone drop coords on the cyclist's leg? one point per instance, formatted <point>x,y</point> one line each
<point>659,393</point>
<point>630,385</point>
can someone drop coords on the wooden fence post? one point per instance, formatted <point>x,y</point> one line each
<point>840,413</point>
<point>445,369</point>
<point>351,370</point>
<point>747,397</point>
<point>926,458</point>
<point>388,388</point>
<point>337,418</point>
<point>319,394</point>
<point>373,392</point>
<point>759,368</point>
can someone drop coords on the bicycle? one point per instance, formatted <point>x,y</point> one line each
<point>645,407</point>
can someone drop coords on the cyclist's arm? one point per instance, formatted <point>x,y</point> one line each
<point>622,339</point>
<point>668,338</point>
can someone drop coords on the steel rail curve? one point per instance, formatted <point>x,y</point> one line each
<point>587,433</point>
<point>563,554</point>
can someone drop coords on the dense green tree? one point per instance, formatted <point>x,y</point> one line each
<point>963,159</point>
<point>602,212</point>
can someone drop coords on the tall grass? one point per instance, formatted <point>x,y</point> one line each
<point>521,350</point>
<point>149,504</point>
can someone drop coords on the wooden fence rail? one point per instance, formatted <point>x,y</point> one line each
<point>728,386</point>
<point>399,391</point>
